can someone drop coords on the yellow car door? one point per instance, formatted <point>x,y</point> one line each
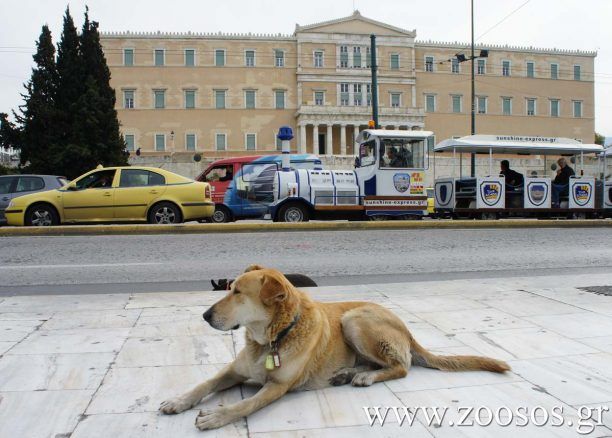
<point>90,198</point>
<point>137,190</point>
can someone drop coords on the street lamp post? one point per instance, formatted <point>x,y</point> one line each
<point>172,144</point>
<point>462,58</point>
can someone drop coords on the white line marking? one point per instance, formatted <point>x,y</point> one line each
<point>97,265</point>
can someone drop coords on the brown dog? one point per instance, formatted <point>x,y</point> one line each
<point>296,343</point>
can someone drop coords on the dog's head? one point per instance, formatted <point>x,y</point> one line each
<point>256,297</point>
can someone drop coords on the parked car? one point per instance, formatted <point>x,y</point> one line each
<point>116,194</point>
<point>12,186</point>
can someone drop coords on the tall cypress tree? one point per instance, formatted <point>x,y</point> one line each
<point>100,125</point>
<point>68,123</point>
<point>73,156</point>
<point>37,119</point>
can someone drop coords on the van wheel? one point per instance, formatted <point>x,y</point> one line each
<point>165,213</point>
<point>221,215</point>
<point>41,215</point>
<point>293,212</point>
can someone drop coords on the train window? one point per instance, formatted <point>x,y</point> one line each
<point>367,153</point>
<point>402,153</point>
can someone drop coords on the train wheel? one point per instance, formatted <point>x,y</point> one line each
<point>378,217</point>
<point>293,212</point>
<point>489,216</point>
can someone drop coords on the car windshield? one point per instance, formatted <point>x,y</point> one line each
<point>96,180</point>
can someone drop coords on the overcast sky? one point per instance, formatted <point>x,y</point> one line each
<point>567,24</point>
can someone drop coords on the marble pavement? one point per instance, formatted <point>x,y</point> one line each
<point>85,366</point>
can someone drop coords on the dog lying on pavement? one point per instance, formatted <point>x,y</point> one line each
<point>293,342</point>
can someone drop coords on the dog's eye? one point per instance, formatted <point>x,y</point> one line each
<point>236,291</point>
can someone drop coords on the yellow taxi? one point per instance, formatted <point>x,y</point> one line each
<point>116,194</point>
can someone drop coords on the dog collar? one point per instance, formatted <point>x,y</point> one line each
<point>273,359</point>
<point>284,332</point>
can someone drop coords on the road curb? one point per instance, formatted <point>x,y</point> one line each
<point>85,230</point>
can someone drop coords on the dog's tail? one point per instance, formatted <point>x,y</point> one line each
<point>422,357</point>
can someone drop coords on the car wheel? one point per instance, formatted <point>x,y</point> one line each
<point>165,213</point>
<point>293,213</point>
<point>221,215</point>
<point>41,215</point>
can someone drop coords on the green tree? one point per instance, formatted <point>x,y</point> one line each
<point>98,124</point>
<point>35,132</point>
<point>9,133</point>
<point>600,139</point>
<point>72,158</point>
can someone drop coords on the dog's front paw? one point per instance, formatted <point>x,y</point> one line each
<point>363,379</point>
<point>175,405</point>
<point>212,419</point>
<point>342,376</point>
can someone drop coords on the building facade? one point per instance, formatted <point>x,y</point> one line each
<point>227,94</point>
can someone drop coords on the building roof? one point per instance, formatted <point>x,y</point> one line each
<point>199,35</point>
<point>355,16</point>
<point>462,46</point>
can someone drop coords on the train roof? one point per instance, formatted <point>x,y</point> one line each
<point>392,133</point>
<point>516,144</point>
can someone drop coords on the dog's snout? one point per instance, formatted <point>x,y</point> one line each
<point>208,315</point>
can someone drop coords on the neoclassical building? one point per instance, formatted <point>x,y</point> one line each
<point>227,94</point>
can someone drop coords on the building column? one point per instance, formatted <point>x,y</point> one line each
<point>329,141</point>
<point>302,128</point>
<point>315,138</point>
<point>342,139</point>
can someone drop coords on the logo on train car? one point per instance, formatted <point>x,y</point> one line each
<point>401,181</point>
<point>490,192</point>
<point>443,193</point>
<point>416,185</point>
<point>582,194</point>
<point>537,193</point>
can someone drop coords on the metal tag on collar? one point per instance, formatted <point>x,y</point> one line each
<point>273,359</point>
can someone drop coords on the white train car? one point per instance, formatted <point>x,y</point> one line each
<point>491,196</point>
<point>388,182</point>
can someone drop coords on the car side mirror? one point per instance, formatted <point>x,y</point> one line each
<point>71,188</point>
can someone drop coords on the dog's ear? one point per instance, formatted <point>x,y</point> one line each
<point>254,268</point>
<point>272,290</point>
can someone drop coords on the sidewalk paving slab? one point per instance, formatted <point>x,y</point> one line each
<point>100,365</point>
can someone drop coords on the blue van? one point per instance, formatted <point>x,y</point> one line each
<point>242,186</point>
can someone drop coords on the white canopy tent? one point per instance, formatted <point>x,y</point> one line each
<point>515,144</point>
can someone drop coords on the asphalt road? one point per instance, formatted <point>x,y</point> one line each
<point>102,264</point>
